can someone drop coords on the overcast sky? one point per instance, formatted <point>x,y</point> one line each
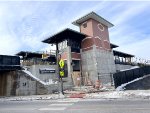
<point>23,25</point>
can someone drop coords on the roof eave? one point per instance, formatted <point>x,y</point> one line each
<point>48,39</point>
<point>124,53</point>
<point>114,45</point>
<point>79,23</point>
<point>94,16</point>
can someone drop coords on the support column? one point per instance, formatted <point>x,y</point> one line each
<point>122,60</point>
<point>60,85</point>
<point>81,72</point>
<point>57,60</point>
<point>70,69</point>
<point>125,60</point>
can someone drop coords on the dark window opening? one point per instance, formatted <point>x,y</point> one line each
<point>85,25</point>
<point>76,65</point>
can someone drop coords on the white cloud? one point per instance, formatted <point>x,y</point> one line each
<point>140,48</point>
<point>129,12</point>
<point>129,38</point>
<point>26,24</point>
<point>69,18</point>
<point>8,45</point>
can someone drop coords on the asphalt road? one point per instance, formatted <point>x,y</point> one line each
<point>76,106</point>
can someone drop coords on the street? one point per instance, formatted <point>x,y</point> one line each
<point>76,106</point>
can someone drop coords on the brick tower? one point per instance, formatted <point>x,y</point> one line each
<point>96,54</point>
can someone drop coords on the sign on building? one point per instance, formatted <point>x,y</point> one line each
<point>46,70</point>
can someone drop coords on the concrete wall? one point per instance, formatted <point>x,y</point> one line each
<point>8,83</point>
<point>34,69</point>
<point>25,84</point>
<point>98,61</point>
<point>18,83</point>
<point>33,87</point>
<point>68,83</point>
<point>3,83</point>
<point>122,67</point>
<point>14,83</point>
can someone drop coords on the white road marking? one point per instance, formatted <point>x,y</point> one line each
<point>94,99</point>
<point>61,104</point>
<point>53,108</point>
<point>68,101</point>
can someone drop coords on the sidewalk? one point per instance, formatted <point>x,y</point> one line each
<point>85,94</point>
<point>127,94</point>
<point>33,97</point>
<point>77,92</point>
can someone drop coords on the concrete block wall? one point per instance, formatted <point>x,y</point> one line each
<point>17,84</point>
<point>98,61</point>
<point>88,64</point>
<point>33,87</point>
<point>34,69</point>
<point>105,61</point>
<point>25,84</point>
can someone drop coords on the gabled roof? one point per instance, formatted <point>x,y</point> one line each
<point>64,34</point>
<point>94,16</point>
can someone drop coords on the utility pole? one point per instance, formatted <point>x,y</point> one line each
<point>61,81</point>
<point>61,72</point>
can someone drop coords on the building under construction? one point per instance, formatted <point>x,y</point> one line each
<point>89,54</point>
<point>89,57</point>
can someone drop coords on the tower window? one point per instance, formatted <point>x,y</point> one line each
<point>100,27</point>
<point>85,25</point>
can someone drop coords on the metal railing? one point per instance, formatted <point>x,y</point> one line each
<point>135,62</point>
<point>36,62</point>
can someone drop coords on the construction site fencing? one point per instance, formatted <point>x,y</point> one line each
<point>129,75</point>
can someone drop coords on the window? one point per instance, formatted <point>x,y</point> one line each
<point>100,27</point>
<point>84,25</point>
<point>62,45</point>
